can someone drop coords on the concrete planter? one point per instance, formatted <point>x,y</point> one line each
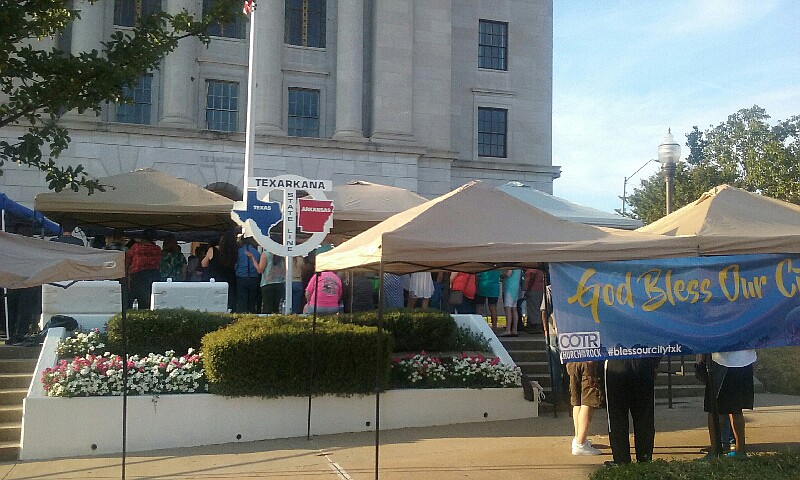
<point>67,427</point>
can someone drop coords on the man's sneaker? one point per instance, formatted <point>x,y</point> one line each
<point>584,449</point>
<point>575,442</point>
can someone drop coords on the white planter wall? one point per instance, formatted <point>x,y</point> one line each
<point>68,427</point>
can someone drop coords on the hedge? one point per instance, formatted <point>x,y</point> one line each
<point>414,331</point>
<point>157,331</point>
<point>270,357</point>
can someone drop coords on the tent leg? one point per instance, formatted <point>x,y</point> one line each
<point>379,368</point>
<point>124,299</point>
<point>313,352</point>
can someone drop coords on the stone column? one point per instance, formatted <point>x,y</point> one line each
<point>87,33</point>
<point>393,72</point>
<point>179,77</point>
<point>268,95</point>
<point>349,70</point>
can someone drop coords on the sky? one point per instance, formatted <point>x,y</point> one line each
<point>626,71</point>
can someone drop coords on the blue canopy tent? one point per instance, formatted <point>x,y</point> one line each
<point>37,219</point>
<point>10,208</point>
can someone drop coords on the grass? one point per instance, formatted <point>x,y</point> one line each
<point>779,370</point>
<point>772,466</point>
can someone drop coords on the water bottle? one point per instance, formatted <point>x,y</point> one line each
<point>136,304</point>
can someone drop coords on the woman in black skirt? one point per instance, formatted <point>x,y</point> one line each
<point>733,389</point>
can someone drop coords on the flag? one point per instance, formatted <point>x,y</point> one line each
<point>249,7</point>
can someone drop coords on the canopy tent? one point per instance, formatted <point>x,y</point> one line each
<point>728,221</point>
<point>143,198</point>
<point>566,210</point>
<point>359,205</point>
<point>28,262</point>
<point>8,205</point>
<point>477,226</point>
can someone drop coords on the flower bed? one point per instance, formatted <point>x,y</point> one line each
<point>464,371</point>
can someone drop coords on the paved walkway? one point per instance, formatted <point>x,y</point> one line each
<point>509,450</point>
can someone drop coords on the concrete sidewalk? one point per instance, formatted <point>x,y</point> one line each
<point>509,449</point>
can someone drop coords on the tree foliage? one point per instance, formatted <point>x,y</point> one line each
<point>744,151</point>
<point>39,85</point>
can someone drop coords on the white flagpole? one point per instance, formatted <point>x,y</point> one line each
<point>250,134</point>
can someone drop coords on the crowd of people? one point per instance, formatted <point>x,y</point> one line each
<point>256,284</point>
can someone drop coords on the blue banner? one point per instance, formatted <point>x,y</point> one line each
<point>677,306</point>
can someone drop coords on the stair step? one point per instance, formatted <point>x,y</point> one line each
<point>12,352</point>
<point>11,413</point>
<point>18,365</point>
<point>9,451</point>
<point>13,396</point>
<point>15,380</point>
<point>10,432</point>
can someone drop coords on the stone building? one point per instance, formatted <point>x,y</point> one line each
<point>420,94</point>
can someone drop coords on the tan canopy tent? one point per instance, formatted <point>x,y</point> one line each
<point>728,221</point>
<point>567,210</point>
<point>477,226</point>
<point>143,198</point>
<point>28,262</point>
<point>359,205</point>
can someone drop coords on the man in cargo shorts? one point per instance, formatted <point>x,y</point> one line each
<point>586,394</point>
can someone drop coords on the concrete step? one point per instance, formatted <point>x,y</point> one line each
<point>528,355</point>
<point>680,391</point>
<point>10,432</point>
<point>15,380</point>
<point>12,352</point>
<point>18,365</point>
<point>9,451</point>
<point>12,396</point>
<point>11,413</point>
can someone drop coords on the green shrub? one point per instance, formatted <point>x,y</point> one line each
<point>157,331</point>
<point>270,357</point>
<point>469,341</point>
<point>415,331</point>
<point>779,370</point>
<point>777,466</point>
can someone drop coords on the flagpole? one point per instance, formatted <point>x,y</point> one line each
<point>249,9</point>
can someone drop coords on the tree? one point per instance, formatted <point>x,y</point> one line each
<point>40,85</point>
<point>744,151</point>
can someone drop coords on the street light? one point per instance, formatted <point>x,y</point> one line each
<point>669,153</point>
<point>625,184</point>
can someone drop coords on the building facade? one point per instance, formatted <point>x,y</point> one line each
<point>420,94</point>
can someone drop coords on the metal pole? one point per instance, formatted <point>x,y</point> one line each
<point>313,351</point>
<point>250,135</point>
<point>669,170</point>
<point>123,296</point>
<point>379,367</point>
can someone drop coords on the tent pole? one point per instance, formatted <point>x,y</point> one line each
<point>313,352</point>
<point>124,299</point>
<point>379,367</point>
<point>716,446</point>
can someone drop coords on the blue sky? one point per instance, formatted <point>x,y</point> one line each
<point>625,71</point>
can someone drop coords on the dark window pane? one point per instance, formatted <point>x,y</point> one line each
<point>492,132</point>
<point>234,29</point>
<point>141,96</point>
<point>492,45</point>
<point>303,118</point>
<point>305,23</point>
<point>222,100</point>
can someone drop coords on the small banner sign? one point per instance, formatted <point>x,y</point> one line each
<point>677,306</point>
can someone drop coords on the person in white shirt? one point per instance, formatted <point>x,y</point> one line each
<point>733,385</point>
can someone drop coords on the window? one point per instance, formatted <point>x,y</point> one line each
<point>128,12</point>
<point>305,23</point>
<point>222,100</point>
<point>492,132</point>
<point>141,97</point>
<point>493,45</point>
<point>234,29</point>
<point>303,112</point>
